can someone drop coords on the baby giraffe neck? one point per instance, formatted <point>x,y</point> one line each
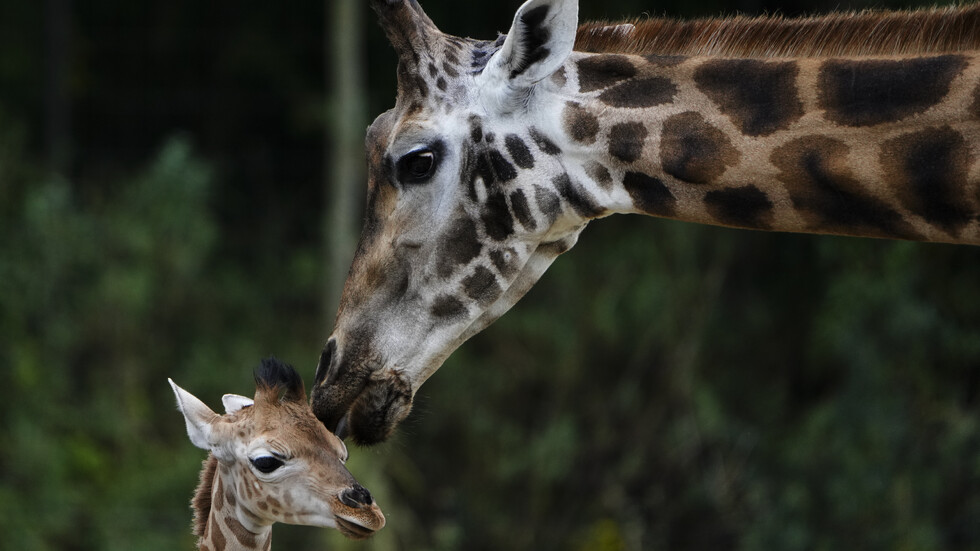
<point>218,514</point>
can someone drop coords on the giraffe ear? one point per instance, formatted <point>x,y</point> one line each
<point>198,417</point>
<point>235,402</point>
<point>538,43</point>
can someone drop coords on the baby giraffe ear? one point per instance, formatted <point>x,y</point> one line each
<point>538,43</point>
<point>235,402</point>
<point>198,417</point>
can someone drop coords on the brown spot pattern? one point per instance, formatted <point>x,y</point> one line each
<point>543,143</point>
<point>927,170</point>
<point>481,286</point>
<point>505,261</point>
<point>217,537</point>
<point>229,497</point>
<point>447,307</point>
<point>649,194</point>
<point>458,246</point>
<point>559,78</point>
<point>519,151</point>
<point>576,196</point>
<point>640,93</point>
<point>745,207</point>
<point>826,193</point>
<point>760,97</point>
<point>238,530</point>
<point>599,174</point>
<point>975,108</point>
<point>626,141</point>
<point>518,203</point>
<point>219,491</point>
<point>449,69</point>
<point>581,125</point>
<point>602,71</point>
<point>876,91</point>
<point>548,203</point>
<point>694,151</point>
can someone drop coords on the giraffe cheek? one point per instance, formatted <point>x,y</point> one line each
<point>482,286</point>
<point>497,220</point>
<point>458,245</point>
<point>506,261</point>
<point>518,203</point>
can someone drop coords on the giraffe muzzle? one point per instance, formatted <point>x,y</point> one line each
<point>359,516</point>
<point>356,396</point>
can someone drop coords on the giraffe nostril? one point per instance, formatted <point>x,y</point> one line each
<point>326,368</point>
<point>358,496</point>
<point>405,245</point>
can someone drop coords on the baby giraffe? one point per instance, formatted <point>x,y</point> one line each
<point>271,461</point>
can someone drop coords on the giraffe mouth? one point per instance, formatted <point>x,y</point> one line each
<point>352,529</point>
<point>359,401</point>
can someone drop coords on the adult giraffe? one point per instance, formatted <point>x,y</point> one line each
<point>498,153</point>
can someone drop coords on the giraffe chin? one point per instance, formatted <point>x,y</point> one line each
<point>381,406</point>
<point>383,401</point>
<point>359,521</point>
<point>353,530</point>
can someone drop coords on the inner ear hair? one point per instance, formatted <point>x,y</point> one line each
<point>539,41</point>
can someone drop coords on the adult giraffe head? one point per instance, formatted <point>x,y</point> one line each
<point>456,231</point>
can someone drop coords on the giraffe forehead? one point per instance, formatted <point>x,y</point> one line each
<point>290,428</point>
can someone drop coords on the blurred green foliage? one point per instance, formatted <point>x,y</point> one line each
<point>665,386</point>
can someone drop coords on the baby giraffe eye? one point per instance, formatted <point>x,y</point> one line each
<point>266,463</point>
<point>416,167</point>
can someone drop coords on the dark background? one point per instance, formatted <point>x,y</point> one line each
<point>173,204</point>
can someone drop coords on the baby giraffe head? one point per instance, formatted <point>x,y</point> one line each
<point>271,461</point>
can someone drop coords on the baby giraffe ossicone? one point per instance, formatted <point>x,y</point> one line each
<point>271,461</point>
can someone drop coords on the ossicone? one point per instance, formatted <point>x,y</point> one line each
<point>407,27</point>
<point>279,377</point>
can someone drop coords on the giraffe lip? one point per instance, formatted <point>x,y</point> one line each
<point>352,529</point>
<point>342,429</point>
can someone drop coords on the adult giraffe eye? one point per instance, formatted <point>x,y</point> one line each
<point>417,167</point>
<point>266,463</point>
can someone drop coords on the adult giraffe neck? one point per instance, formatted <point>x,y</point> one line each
<point>865,146</point>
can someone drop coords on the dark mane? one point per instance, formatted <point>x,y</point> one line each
<point>936,30</point>
<point>281,378</point>
<point>201,503</point>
